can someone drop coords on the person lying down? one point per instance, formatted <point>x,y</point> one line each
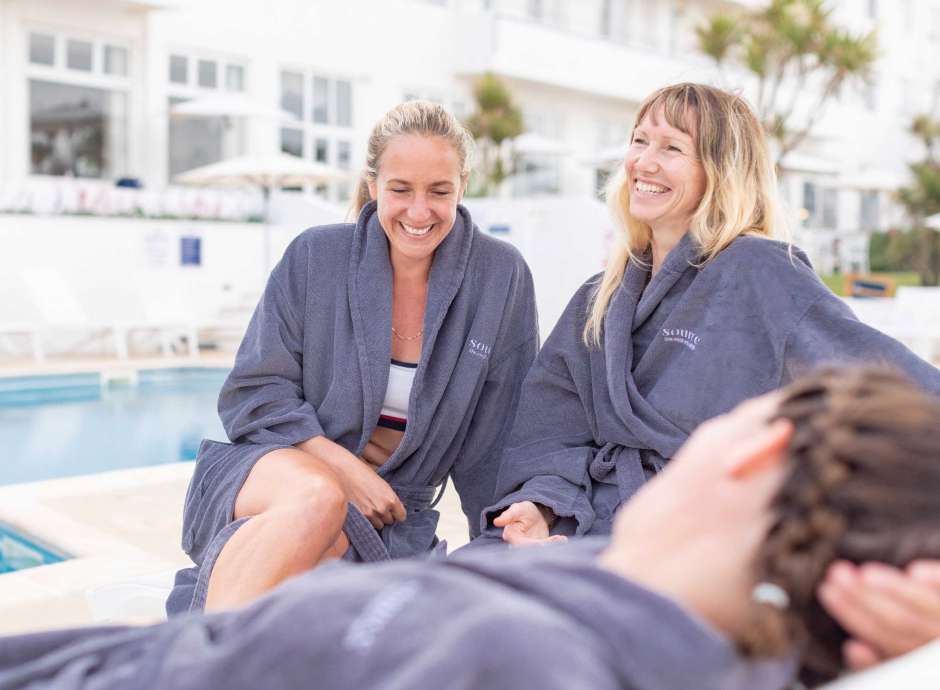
<point>711,572</point>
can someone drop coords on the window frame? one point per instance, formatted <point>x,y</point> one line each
<point>314,132</point>
<point>59,73</point>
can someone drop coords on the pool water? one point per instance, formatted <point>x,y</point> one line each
<point>61,426</point>
<point>18,552</point>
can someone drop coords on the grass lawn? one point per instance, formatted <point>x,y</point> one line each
<point>835,280</point>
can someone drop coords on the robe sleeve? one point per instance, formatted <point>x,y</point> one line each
<point>262,399</point>
<point>829,333</point>
<point>474,473</point>
<point>550,452</point>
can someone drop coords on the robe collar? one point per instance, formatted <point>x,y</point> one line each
<point>632,304</point>
<point>370,298</point>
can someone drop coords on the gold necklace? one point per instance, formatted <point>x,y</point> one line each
<point>405,337</point>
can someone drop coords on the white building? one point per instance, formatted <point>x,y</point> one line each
<point>86,89</point>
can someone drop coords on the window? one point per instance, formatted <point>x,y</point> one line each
<point>324,105</point>
<point>321,150</point>
<point>343,154</point>
<point>869,216</point>
<point>830,209</point>
<point>179,69</point>
<point>808,212</point>
<point>321,100</point>
<point>207,74</point>
<point>234,77</point>
<point>78,55</point>
<point>115,60</point>
<point>76,130</point>
<point>42,49</point>
<point>194,141</point>
<point>343,103</point>
<point>292,93</point>
<point>292,141</point>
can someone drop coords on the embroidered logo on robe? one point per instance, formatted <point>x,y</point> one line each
<point>478,348</point>
<point>377,614</point>
<point>682,336</point>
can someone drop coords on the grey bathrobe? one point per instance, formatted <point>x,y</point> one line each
<point>315,361</point>
<point>534,618</point>
<point>594,424</point>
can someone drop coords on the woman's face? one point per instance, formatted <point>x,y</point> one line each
<point>666,178</point>
<point>417,189</point>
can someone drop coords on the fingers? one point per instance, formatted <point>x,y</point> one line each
<point>515,536</point>
<point>926,572</point>
<point>398,511</point>
<point>524,511</point>
<point>511,514</point>
<point>375,520</point>
<point>859,656</point>
<point>881,607</point>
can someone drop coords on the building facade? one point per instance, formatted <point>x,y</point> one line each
<point>88,89</point>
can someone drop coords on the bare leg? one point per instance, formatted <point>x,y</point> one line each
<point>298,508</point>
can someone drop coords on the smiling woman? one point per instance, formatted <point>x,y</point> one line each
<point>383,358</point>
<point>697,310</point>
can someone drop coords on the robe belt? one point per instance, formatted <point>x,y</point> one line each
<point>365,539</point>
<point>624,463</point>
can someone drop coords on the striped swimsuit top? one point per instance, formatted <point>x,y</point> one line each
<point>401,377</point>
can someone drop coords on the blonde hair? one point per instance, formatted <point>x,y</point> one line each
<point>740,184</point>
<point>414,117</point>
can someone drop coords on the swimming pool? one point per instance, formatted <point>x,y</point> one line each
<point>61,426</point>
<point>18,552</point>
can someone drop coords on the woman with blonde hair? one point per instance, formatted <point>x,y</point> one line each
<point>698,309</point>
<point>384,357</point>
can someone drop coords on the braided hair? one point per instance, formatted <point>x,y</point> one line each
<point>864,485</point>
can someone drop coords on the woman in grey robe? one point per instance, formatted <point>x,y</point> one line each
<point>708,581</point>
<point>697,310</point>
<point>383,358</point>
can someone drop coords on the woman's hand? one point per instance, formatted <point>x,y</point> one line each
<point>526,523</point>
<point>371,494</point>
<point>887,611</point>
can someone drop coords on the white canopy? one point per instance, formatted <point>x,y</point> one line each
<point>229,105</point>
<point>265,171</point>
<point>533,143</point>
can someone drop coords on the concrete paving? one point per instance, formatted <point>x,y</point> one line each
<point>123,529</point>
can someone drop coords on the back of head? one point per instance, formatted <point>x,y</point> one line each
<point>740,196</point>
<point>864,485</point>
<point>423,118</point>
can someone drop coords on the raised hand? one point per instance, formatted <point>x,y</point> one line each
<point>887,611</point>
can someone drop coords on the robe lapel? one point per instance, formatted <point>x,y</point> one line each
<point>676,263</point>
<point>370,299</point>
<point>640,424</point>
<point>448,271</point>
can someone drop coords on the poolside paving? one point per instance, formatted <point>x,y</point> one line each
<point>123,530</point>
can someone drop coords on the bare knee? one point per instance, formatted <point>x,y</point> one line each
<point>288,477</point>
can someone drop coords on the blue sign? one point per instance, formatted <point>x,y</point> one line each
<point>190,251</point>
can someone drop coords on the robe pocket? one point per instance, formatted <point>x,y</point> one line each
<point>415,536</point>
<point>220,472</point>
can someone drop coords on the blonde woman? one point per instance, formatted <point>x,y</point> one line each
<point>384,357</point>
<point>698,309</point>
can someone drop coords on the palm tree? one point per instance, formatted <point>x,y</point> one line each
<point>787,46</point>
